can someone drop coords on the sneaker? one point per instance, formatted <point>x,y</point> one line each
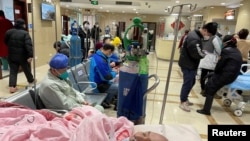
<point>216,96</point>
<point>13,89</point>
<point>105,105</point>
<point>184,106</point>
<point>190,103</point>
<point>32,83</point>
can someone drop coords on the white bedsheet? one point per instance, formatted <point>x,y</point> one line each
<point>173,132</point>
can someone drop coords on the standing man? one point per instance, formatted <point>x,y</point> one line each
<point>5,25</point>
<point>84,34</point>
<point>190,56</point>
<point>95,33</point>
<point>20,53</point>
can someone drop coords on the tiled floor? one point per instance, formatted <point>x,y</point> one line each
<point>172,114</point>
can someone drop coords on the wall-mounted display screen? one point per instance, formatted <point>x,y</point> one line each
<point>230,14</point>
<point>48,11</point>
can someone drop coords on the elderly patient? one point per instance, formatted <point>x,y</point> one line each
<point>56,91</point>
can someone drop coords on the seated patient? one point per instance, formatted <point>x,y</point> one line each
<point>102,74</point>
<point>62,47</point>
<point>226,71</point>
<point>56,91</point>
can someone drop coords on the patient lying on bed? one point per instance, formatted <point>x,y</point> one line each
<point>82,123</point>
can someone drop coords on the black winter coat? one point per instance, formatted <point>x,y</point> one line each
<point>226,70</point>
<point>85,38</point>
<point>191,52</point>
<point>19,44</point>
<point>95,32</point>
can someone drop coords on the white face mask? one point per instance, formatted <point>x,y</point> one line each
<point>97,25</point>
<point>86,26</point>
<point>206,37</point>
<point>151,31</point>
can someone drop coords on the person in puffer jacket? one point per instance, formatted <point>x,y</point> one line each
<point>226,71</point>
<point>20,53</point>
<point>189,60</point>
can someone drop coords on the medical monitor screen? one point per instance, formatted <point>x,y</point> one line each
<point>48,11</point>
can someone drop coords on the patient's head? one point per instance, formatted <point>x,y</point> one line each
<point>58,66</point>
<point>148,136</point>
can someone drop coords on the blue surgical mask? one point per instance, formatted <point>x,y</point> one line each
<point>109,55</point>
<point>64,75</point>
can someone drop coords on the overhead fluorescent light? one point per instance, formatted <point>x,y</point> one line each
<point>197,15</point>
<point>174,14</point>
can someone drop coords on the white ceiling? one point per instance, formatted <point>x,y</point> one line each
<point>147,6</point>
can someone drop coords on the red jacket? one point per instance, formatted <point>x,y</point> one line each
<point>5,25</point>
<point>182,40</point>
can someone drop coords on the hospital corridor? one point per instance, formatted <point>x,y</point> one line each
<point>124,70</point>
<point>173,115</point>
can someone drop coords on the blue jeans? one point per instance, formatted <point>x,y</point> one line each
<point>112,92</point>
<point>188,83</point>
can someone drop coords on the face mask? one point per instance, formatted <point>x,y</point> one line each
<point>86,26</point>
<point>206,37</point>
<point>97,25</point>
<point>109,55</point>
<point>64,75</point>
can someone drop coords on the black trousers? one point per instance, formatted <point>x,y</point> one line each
<point>14,68</point>
<point>204,73</point>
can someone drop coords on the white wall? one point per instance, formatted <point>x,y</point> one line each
<point>7,7</point>
<point>170,19</point>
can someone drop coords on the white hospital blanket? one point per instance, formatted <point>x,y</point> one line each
<point>175,132</point>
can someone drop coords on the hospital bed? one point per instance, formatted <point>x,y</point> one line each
<point>232,92</point>
<point>173,132</point>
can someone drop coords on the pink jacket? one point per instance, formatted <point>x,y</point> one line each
<point>86,124</point>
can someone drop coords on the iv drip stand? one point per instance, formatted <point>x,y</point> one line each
<point>176,30</point>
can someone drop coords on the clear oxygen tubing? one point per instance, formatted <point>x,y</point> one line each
<point>172,56</point>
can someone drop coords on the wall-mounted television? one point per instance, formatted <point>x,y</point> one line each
<point>229,14</point>
<point>48,11</point>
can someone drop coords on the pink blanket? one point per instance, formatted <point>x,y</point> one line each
<point>81,124</point>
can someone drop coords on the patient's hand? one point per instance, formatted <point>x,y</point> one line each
<point>116,69</point>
